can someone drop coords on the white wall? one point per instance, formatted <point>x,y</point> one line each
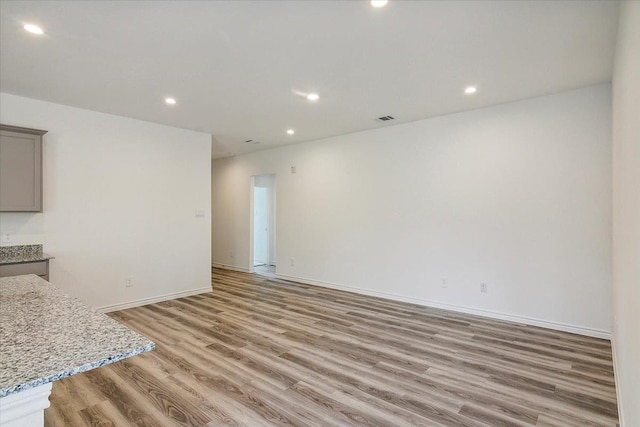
<point>626,214</point>
<point>516,196</point>
<point>120,197</point>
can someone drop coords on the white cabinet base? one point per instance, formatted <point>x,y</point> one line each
<point>25,408</point>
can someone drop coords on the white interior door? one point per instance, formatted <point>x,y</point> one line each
<point>260,226</point>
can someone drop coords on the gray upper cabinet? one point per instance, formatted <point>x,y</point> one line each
<point>20,169</point>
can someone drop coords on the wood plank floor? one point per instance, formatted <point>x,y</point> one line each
<point>258,351</point>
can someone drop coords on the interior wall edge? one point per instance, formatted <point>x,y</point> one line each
<point>616,377</point>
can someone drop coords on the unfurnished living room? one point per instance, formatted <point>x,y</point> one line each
<point>319,213</point>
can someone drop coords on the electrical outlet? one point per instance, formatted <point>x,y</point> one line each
<point>292,262</point>
<point>129,282</point>
<point>444,283</point>
<point>293,169</point>
<point>231,254</point>
<point>483,287</point>
<point>6,237</point>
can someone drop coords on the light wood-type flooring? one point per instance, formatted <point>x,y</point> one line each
<point>258,351</point>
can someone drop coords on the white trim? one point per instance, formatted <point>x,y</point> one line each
<point>252,185</point>
<point>231,267</point>
<point>616,377</point>
<point>25,408</point>
<point>151,300</point>
<point>462,309</point>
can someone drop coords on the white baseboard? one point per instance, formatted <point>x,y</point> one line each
<point>462,309</point>
<point>231,267</point>
<point>151,300</point>
<point>616,376</point>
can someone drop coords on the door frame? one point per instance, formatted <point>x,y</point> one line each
<point>252,185</point>
<point>272,221</point>
<point>264,227</point>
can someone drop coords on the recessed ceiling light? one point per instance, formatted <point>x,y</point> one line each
<point>313,97</point>
<point>470,89</point>
<point>290,131</point>
<point>170,101</point>
<point>34,29</point>
<point>379,3</point>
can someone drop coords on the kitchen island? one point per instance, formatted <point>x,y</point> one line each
<point>47,335</point>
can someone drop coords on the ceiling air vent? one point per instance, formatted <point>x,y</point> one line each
<point>251,141</point>
<point>384,118</point>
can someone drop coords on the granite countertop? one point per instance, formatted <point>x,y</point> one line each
<point>25,259</point>
<point>46,335</point>
<point>21,254</point>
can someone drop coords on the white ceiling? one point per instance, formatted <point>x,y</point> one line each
<point>236,67</point>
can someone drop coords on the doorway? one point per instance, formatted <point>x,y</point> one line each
<point>263,223</point>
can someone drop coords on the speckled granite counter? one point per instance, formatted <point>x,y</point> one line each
<point>21,254</point>
<point>46,335</point>
<point>25,259</point>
